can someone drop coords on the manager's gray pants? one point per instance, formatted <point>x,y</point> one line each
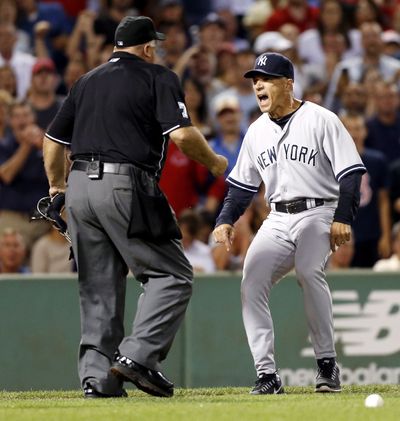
<point>98,213</point>
<point>287,241</point>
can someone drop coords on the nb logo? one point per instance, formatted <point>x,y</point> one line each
<point>262,60</point>
<point>120,42</point>
<point>371,328</point>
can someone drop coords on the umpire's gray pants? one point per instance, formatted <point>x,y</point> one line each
<point>98,213</point>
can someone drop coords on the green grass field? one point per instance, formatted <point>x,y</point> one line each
<point>297,404</point>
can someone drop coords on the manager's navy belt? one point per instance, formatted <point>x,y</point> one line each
<point>107,167</point>
<point>296,206</point>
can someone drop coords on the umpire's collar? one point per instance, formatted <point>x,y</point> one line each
<point>124,55</point>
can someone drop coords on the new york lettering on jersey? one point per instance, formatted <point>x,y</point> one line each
<point>292,152</point>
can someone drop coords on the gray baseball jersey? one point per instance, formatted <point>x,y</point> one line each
<point>307,158</point>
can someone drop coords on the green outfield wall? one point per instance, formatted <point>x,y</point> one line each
<point>39,332</point>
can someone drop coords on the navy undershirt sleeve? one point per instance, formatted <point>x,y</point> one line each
<point>349,198</point>
<point>235,203</point>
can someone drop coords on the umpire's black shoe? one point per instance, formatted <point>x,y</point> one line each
<point>90,393</point>
<point>328,376</point>
<point>150,381</point>
<point>268,384</point>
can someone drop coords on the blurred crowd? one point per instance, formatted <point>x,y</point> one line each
<point>347,58</point>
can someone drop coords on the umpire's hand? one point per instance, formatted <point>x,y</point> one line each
<point>221,163</point>
<point>340,233</point>
<point>225,234</point>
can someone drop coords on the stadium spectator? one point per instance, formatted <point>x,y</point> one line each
<point>198,253</point>
<point>171,12</point>
<point>8,14</point>
<point>200,65</point>
<point>196,10</point>
<point>107,21</point>
<point>84,44</point>
<point>368,11</point>
<point>22,177</point>
<point>391,43</point>
<point>8,81</point>
<point>175,43</point>
<point>255,17</point>
<point>393,262</point>
<point>50,254</point>
<point>342,257</point>
<point>297,12</point>
<point>229,137</point>
<point>353,69</point>
<point>331,22</point>
<point>197,106</point>
<point>5,103</point>
<point>207,223</point>
<point>46,22</point>
<point>373,223</point>
<point>242,87</point>
<point>20,62</point>
<point>42,94</point>
<point>73,8</point>
<point>212,33</point>
<point>226,64</point>
<point>384,126</point>
<point>12,252</point>
<point>353,99</point>
<point>233,29</point>
<point>370,80</point>
<point>74,70</point>
<point>188,184</point>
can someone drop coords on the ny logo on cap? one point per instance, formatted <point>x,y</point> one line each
<point>262,60</point>
<point>120,42</point>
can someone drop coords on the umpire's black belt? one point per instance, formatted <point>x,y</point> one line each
<point>107,167</point>
<point>298,205</point>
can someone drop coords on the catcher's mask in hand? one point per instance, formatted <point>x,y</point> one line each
<point>49,209</point>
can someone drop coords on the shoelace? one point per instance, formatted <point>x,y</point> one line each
<point>261,381</point>
<point>328,372</point>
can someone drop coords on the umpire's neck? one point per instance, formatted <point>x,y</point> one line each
<point>145,51</point>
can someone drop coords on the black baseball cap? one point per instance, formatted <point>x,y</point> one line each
<point>272,64</point>
<point>136,30</point>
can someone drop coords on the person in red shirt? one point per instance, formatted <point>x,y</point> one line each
<point>297,12</point>
<point>184,182</point>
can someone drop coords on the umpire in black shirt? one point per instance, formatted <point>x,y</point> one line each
<point>116,120</point>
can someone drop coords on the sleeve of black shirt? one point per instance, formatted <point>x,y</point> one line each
<point>236,202</point>
<point>62,126</point>
<point>171,111</point>
<point>349,198</point>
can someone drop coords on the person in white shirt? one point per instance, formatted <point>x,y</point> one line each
<point>198,253</point>
<point>20,62</point>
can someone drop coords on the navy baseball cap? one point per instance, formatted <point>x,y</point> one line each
<point>136,30</point>
<point>271,64</point>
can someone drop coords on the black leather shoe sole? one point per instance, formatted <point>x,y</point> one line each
<point>140,381</point>
<point>94,394</point>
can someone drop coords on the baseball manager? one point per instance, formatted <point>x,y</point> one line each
<point>312,174</point>
<point>116,120</point>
